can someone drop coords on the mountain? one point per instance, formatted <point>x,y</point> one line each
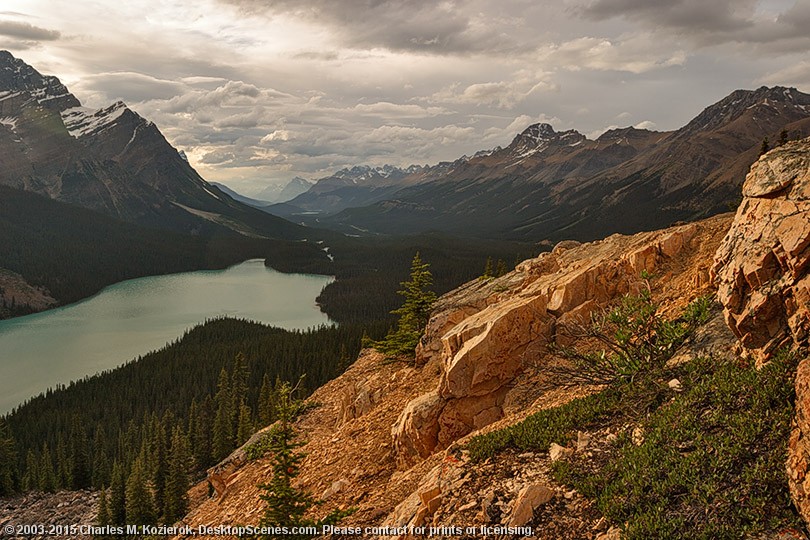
<point>111,160</point>
<point>557,185</point>
<point>355,186</point>
<point>275,193</point>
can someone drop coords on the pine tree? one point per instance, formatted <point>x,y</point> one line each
<point>101,464</point>
<point>63,475</point>
<point>103,516</point>
<point>177,481</point>
<point>201,434</point>
<point>783,137</point>
<point>414,313</point>
<point>30,479</point>
<point>80,476</point>
<point>223,434</point>
<point>140,509</point>
<point>8,460</point>
<point>501,269</point>
<point>765,146</point>
<point>286,505</point>
<point>156,458</point>
<point>117,495</point>
<point>47,475</point>
<point>245,427</point>
<point>487,269</point>
<point>265,402</point>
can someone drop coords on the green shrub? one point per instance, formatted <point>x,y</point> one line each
<point>712,461</point>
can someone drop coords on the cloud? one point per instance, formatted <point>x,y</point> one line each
<point>797,74</point>
<point>747,22</point>
<point>637,53</point>
<point>424,26</point>
<point>687,15</point>
<point>27,32</point>
<point>129,87</point>
<point>503,94</point>
<point>646,124</point>
<point>387,109</point>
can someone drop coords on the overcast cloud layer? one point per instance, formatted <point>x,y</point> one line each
<point>259,91</point>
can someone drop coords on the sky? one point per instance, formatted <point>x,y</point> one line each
<point>259,91</point>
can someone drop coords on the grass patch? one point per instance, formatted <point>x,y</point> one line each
<point>712,464</point>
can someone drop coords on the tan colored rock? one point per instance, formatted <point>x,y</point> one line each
<point>416,432</point>
<point>336,487</point>
<point>614,533</point>
<point>761,266</point>
<point>583,440</point>
<point>557,452</point>
<point>530,498</point>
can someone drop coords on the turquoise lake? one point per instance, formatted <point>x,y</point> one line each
<point>131,318</point>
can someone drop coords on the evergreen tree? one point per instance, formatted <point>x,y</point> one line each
<point>140,509</point>
<point>245,428</point>
<point>783,137</point>
<point>177,481</point>
<point>156,458</point>
<point>414,313</point>
<point>501,268</point>
<point>223,434</point>
<point>101,464</point>
<point>30,479</point>
<point>239,385</point>
<point>286,505</point>
<point>487,269</point>
<point>80,476</point>
<point>47,475</point>
<point>117,495</point>
<point>63,474</point>
<point>765,146</point>
<point>103,516</point>
<point>8,460</point>
<point>265,406</point>
<point>201,434</point>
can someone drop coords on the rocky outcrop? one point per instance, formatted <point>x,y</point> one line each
<point>484,333</point>
<point>761,266</point>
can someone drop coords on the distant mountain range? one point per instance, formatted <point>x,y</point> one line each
<point>555,185</point>
<point>111,160</point>
<point>545,185</point>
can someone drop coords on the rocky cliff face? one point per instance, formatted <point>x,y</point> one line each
<point>761,266</point>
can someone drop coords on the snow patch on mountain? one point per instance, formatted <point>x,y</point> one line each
<point>9,122</point>
<point>81,121</point>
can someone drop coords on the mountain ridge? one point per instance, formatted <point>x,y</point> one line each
<point>560,185</point>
